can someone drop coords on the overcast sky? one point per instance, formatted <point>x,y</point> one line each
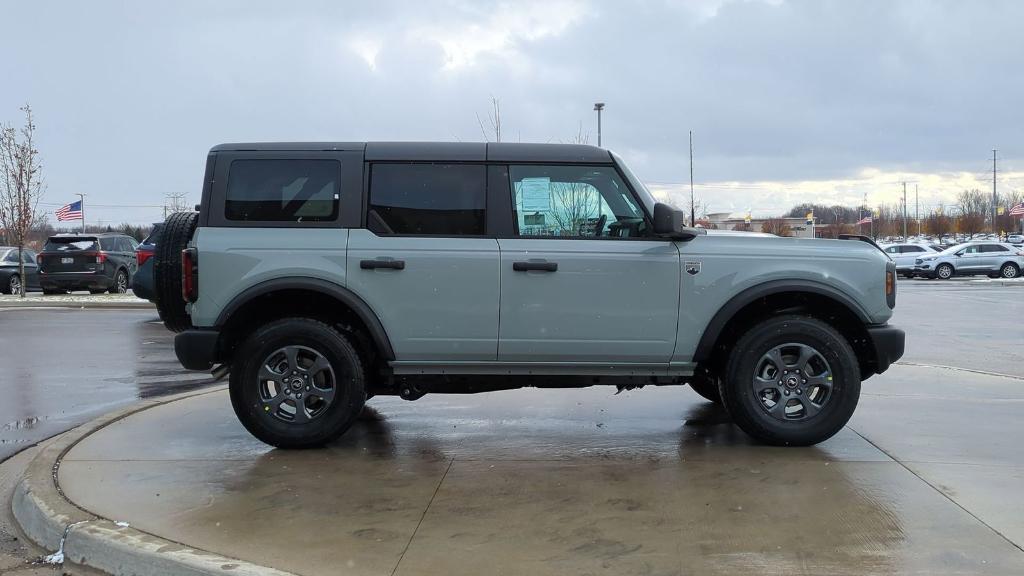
<point>789,101</point>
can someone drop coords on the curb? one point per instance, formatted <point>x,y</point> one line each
<point>141,305</point>
<point>53,522</point>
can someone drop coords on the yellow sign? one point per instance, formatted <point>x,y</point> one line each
<point>1001,210</point>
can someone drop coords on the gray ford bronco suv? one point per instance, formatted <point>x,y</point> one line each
<point>319,275</point>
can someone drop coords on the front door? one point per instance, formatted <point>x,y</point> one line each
<point>581,280</point>
<point>970,259</point>
<point>423,264</point>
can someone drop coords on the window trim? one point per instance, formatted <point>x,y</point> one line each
<point>618,172</point>
<point>368,182</point>
<point>349,185</point>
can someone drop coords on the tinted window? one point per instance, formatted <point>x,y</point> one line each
<point>427,199</point>
<point>70,244</point>
<point>109,244</point>
<point>893,249</point>
<point>575,202</point>
<point>283,190</point>
<point>994,248</point>
<point>28,257</point>
<point>908,249</point>
<point>11,256</point>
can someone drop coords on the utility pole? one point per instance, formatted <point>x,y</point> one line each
<point>599,106</point>
<point>693,221</point>
<point>994,198</point>
<point>904,211</point>
<point>917,213</point>
<point>81,198</point>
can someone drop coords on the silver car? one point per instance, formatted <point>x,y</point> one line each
<point>905,255</point>
<point>994,259</point>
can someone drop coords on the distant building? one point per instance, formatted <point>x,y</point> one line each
<point>730,221</point>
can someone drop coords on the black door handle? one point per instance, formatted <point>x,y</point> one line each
<point>374,264</point>
<point>538,266</point>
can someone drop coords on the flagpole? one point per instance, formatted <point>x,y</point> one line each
<point>81,198</point>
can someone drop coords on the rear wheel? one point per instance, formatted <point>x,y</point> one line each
<point>297,383</point>
<point>13,285</point>
<point>791,380</point>
<point>174,238</point>
<point>944,271</point>
<point>1009,270</point>
<point>120,283</point>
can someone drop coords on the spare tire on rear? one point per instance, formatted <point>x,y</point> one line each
<point>177,232</point>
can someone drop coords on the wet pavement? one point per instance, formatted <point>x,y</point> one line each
<point>654,481</point>
<point>925,480</point>
<point>60,367</point>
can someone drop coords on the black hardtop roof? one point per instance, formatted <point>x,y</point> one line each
<point>440,151</point>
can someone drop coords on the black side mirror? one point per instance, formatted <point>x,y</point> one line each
<point>669,223</point>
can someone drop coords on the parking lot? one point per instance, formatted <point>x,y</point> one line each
<point>652,481</point>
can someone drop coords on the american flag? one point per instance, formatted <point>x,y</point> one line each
<point>864,220</point>
<point>71,211</point>
<point>1017,210</point>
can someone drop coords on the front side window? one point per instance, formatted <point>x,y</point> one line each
<point>11,256</point>
<point>970,250</point>
<point>574,202</point>
<point>428,199</point>
<point>893,250</point>
<point>270,190</point>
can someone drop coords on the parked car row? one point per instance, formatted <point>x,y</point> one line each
<point>994,259</point>
<point>68,262</point>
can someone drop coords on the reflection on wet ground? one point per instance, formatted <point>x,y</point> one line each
<point>61,367</point>
<point>653,481</point>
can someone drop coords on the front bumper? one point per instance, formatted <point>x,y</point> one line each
<point>196,349</point>
<point>888,343</point>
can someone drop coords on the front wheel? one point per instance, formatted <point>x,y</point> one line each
<point>791,380</point>
<point>297,383</point>
<point>944,272</point>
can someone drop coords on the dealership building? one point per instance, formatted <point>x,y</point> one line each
<point>730,221</point>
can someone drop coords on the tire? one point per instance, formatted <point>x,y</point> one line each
<point>269,412</point>
<point>944,271</point>
<point>1009,270</point>
<point>12,286</point>
<point>120,285</point>
<point>707,389</point>
<point>809,423</point>
<point>178,230</point>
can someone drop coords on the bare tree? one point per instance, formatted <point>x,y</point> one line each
<point>776,226</point>
<point>975,206</point>
<point>21,184</point>
<point>493,120</point>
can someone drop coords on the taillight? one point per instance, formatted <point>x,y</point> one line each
<point>39,259</point>
<point>142,255</point>
<point>101,257</point>
<point>890,284</point>
<point>189,275</point>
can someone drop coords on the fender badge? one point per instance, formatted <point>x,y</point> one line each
<point>692,268</point>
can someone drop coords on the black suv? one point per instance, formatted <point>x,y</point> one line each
<point>93,262</point>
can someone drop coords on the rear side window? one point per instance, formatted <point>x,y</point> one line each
<point>994,248</point>
<point>283,190</point>
<point>428,199</point>
<point>911,249</point>
<point>70,244</point>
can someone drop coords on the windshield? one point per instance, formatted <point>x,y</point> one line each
<point>641,191</point>
<point>70,244</point>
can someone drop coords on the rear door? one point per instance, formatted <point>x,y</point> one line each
<point>581,279</point>
<point>993,256</point>
<point>31,269</point>
<point>425,263</point>
<point>908,254</point>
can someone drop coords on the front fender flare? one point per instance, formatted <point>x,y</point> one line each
<point>718,322</point>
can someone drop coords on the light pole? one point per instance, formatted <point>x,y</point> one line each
<point>598,106</point>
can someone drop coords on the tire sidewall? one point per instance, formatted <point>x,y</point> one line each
<point>938,273</point>
<point>349,381</point>
<point>1009,266</point>
<point>746,408</point>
